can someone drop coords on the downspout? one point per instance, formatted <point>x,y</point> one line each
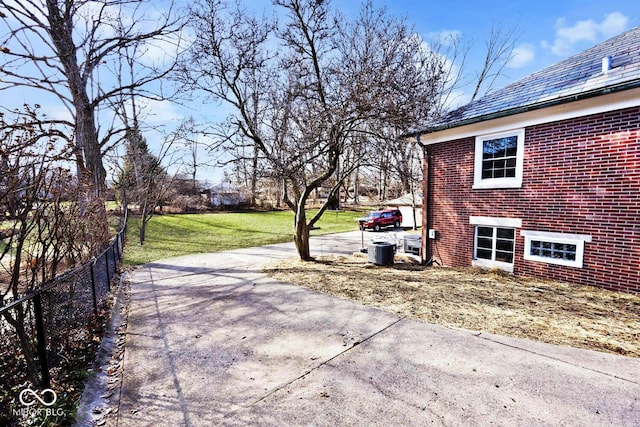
<point>426,246</point>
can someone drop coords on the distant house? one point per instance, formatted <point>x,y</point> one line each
<point>542,177</point>
<point>226,196</point>
<point>406,204</point>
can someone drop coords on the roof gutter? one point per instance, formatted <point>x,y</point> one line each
<point>524,109</point>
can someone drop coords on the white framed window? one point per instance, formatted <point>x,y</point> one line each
<point>555,248</point>
<point>494,242</point>
<point>499,160</point>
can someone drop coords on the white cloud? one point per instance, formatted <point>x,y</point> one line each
<point>162,51</point>
<point>522,56</point>
<point>159,112</point>
<point>445,37</point>
<point>103,17</point>
<point>443,51</point>
<point>456,99</point>
<point>55,111</point>
<point>585,31</point>
<point>614,24</point>
<point>155,52</point>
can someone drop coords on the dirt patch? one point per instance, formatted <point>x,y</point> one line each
<point>492,302</point>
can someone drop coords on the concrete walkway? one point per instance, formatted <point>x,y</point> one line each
<point>212,341</point>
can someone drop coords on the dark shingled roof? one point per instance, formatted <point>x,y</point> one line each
<point>579,76</point>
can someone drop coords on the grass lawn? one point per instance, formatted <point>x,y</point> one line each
<point>174,235</point>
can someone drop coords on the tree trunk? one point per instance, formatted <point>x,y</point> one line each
<point>194,185</point>
<point>355,183</point>
<point>88,152</point>
<point>254,177</point>
<point>405,180</point>
<point>143,222</point>
<point>281,194</point>
<point>142,232</point>
<point>87,141</point>
<point>302,233</point>
<point>91,173</point>
<point>87,148</point>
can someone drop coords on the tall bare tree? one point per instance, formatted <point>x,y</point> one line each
<point>498,52</point>
<point>399,160</point>
<point>306,89</point>
<point>71,49</point>
<point>187,133</point>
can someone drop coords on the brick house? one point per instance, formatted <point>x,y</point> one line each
<point>542,177</point>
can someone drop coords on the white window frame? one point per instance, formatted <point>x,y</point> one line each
<point>514,182</point>
<point>483,221</point>
<point>572,239</point>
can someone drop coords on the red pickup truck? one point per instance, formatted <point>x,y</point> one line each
<point>378,219</point>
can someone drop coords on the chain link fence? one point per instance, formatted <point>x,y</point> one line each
<point>46,336</point>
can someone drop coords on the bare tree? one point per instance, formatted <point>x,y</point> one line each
<point>498,53</point>
<point>187,133</point>
<point>61,46</point>
<point>306,90</point>
<point>144,179</point>
<point>36,199</point>
<point>42,230</point>
<point>246,164</point>
<point>399,160</point>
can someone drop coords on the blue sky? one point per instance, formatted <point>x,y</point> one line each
<point>549,30</point>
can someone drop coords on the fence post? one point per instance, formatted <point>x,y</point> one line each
<point>116,254</point>
<point>106,258</point>
<point>42,345</point>
<point>93,289</point>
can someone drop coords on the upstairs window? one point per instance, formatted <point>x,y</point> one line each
<point>498,160</point>
<point>499,157</point>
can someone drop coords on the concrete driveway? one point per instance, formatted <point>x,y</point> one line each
<point>212,341</point>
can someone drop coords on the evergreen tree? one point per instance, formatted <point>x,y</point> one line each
<point>144,180</point>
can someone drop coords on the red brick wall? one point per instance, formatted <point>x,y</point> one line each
<point>580,176</point>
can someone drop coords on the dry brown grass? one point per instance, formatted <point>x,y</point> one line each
<point>493,302</point>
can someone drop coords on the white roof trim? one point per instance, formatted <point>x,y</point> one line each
<point>570,110</point>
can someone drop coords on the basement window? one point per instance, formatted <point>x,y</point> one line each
<point>554,248</point>
<point>499,159</point>
<point>494,242</point>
